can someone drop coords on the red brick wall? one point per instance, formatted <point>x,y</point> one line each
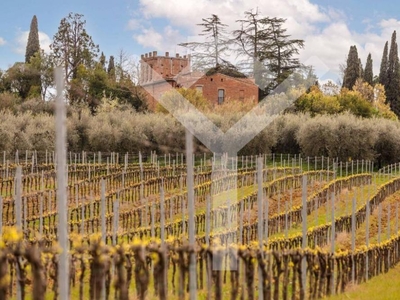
<point>156,90</point>
<point>156,69</point>
<point>162,66</point>
<point>234,88</point>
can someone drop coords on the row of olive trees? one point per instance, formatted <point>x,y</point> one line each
<point>341,136</point>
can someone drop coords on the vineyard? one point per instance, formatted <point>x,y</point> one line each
<point>206,227</point>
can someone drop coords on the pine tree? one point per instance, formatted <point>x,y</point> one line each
<point>33,45</point>
<point>212,53</point>
<point>384,66</point>
<point>393,78</point>
<point>267,49</point>
<point>74,49</point>
<point>368,72</point>
<point>352,71</point>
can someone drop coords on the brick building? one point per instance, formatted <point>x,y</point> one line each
<point>159,73</point>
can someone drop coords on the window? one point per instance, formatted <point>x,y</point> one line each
<point>211,79</point>
<point>222,79</point>
<point>221,96</point>
<point>241,95</point>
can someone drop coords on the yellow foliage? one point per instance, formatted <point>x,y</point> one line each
<point>76,239</point>
<point>171,98</point>
<point>381,105</point>
<point>95,237</point>
<point>11,235</point>
<point>108,105</point>
<point>364,89</point>
<point>233,106</point>
<point>5,280</point>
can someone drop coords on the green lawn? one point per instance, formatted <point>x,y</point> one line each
<point>382,287</point>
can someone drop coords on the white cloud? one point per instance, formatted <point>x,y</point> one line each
<point>302,18</point>
<point>324,29</point>
<point>167,40</point>
<point>2,41</point>
<point>133,24</point>
<point>330,45</point>
<point>334,13</point>
<point>149,38</point>
<point>189,13</point>
<point>22,40</point>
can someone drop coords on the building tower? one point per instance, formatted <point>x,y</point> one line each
<point>154,68</point>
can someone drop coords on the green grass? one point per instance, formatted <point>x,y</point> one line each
<point>382,287</point>
<point>322,215</point>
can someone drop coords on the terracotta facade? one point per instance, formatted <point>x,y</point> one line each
<point>158,74</point>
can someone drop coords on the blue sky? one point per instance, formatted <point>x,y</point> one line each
<point>138,26</point>
<point>106,21</point>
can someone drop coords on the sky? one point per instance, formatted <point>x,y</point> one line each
<point>329,28</point>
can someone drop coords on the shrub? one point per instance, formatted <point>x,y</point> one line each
<point>287,127</point>
<point>104,133</point>
<point>387,144</point>
<point>343,136</point>
<point>41,133</point>
<point>171,98</point>
<point>9,101</point>
<point>37,106</point>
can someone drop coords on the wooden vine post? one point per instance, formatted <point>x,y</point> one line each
<point>261,221</point>
<point>304,236</point>
<point>191,228</point>
<point>61,146</point>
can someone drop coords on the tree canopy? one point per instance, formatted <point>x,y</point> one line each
<point>272,53</point>
<point>33,45</point>
<point>353,69</point>
<point>213,51</point>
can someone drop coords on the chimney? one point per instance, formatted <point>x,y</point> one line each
<point>146,55</point>
<point>142,56</point>
<point>184,56</point>
<point>154,53</point>
<point>167,54</point>
<point>149,54</point>
<point>177,55</point>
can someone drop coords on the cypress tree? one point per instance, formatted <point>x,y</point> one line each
<point>393,80</point>
<point>111,68</point>
<point>32,72</point>
<point>393,54</point>
<point>384,66</point>
<point>102,61</point>
<point>33,45</point>
<point>368,72</point>
<point>352,71</point>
